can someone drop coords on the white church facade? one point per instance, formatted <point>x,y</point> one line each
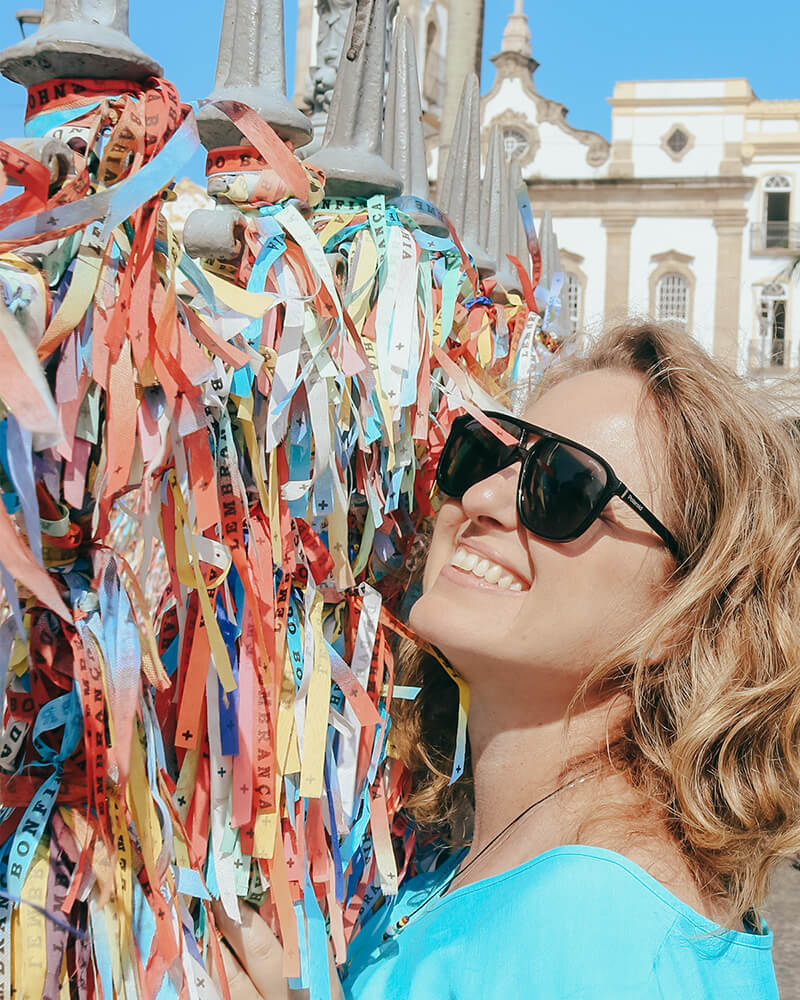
<point>690,214</point>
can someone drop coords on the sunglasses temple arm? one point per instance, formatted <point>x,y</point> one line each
<point>649,517</point>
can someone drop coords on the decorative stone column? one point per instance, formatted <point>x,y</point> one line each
<point>464,46</point>
<point>71,44</point>
<point>618,265</point>
<point>729,225</point>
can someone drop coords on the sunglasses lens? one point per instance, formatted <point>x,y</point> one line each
<point>471,454</point>
<point>563,487</point>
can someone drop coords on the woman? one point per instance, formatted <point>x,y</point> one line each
<point>635,695</point>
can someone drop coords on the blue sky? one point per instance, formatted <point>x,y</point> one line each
<point>583,47</point>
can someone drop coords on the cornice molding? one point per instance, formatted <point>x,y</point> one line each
<point>616,200</point>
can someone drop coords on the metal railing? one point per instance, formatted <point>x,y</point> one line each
<point>774,236</point>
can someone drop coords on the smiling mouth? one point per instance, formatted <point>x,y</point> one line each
<point>479,569</point>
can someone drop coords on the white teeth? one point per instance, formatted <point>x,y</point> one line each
<point>469,562</point>
<point>484,569</point>
<point>480,567</point>
<point>458,558</point>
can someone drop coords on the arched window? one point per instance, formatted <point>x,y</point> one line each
<point>515,143</point>
<point>777,196</point>
<point>430,78</point>
<point>772,324</point>
<point>672,299</point>
<point>572,297</point>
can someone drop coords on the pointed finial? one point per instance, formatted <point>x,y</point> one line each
<point>79,40</point>
<point>517,36</point>
<point>251,69</point>
<point>351,154</point>
<point>551,264</point>
<point>518,242</point>
<point>460,190</point>
<point>403,138</point>
<point>551,258</point>
<point>495,212</point>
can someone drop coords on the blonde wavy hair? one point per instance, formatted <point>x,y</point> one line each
<point>713,735</point>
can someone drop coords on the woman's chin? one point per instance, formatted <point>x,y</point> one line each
<point>425,618</point>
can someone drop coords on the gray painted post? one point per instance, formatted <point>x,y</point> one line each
<point>71,43</point>
<point>551,263</point>
<point>403,139</point>
<point>518,243</point>
<point>460,191</point>
<point>403,135</point>
<point>251,69</point>
<point>495,211</point>
<point>352,153</point>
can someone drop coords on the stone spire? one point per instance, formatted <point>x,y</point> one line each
<point>352,153</point>
<point>251,69</point>
<point>460,190</point>
<point>517,36</point>
<point>514,57</point>
<point>496,222</point>
<point>78,40</point>
<point>403,138</point>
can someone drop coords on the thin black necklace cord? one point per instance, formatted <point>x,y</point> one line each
<point>530,808</point>
<point>401,924</point>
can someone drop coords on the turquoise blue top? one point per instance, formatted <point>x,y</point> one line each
<point>575,923</point>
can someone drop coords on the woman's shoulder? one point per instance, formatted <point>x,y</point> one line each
<point>598,885</point>
<point>603,910</point>
<point>580,921</point>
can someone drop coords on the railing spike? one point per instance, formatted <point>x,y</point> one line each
<point>551,264</point>
<point>251,69</point>
<point>518,243</point>
<point>495,212</point>
<point>549,249</point>
<point>403,137</point>
<point>71,44</point>
<point>352,153</point>
<point>460,190</point>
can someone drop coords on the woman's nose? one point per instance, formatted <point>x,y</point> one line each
<point>494,498</point>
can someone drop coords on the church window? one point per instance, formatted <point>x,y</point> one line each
<point>772,323</point>
<point>573,301</point>
<point>678,140</point>
<point>515,143</point>
<point>672,299</point>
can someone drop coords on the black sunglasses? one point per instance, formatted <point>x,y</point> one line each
<point>563,487</point>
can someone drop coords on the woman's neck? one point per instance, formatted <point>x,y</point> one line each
<point>516,762</point>
<point>519,757</point>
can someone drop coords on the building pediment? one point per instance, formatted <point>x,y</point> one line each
<point>514,95</point>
